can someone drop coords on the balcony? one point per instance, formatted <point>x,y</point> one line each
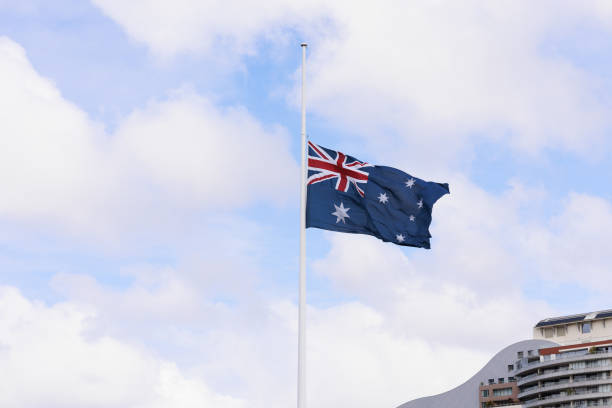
<point>563,386</point>
<point>559,371</point>
<point>559,399</point>
<point>563,357</point>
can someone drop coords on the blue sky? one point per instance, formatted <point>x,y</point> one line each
<point>149,226</point>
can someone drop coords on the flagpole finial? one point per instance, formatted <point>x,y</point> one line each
<point>303,45</point>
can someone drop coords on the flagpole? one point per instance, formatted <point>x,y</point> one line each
<point>301,394</point>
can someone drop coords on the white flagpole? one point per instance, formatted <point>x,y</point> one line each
<point>301,394</point>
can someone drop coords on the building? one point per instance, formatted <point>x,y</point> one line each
<point>467,395</point>
<point>581,328</point>
<point>576,373</point>
<point>500,393</point>
<point>567,364</point>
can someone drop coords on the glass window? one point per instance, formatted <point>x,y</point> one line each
<point>586,327</point>
<point>577,365</point>
<point>500,380</point>
<point>519,354</point>
<point>561,331</point>
<point>485,393</point>
<point>549,332</point>
<point>502,392</point>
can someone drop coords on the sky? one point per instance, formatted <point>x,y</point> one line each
<point>149,205</point>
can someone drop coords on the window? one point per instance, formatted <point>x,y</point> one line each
<point>561,331</point>
<point>519,354</point>
<point>577,365</point>
<point>510,367</point>
<point>491,381</point>
<point>500,380</point>
<point>549,332</point>
<point>511,379</point>
<point>586,327</point>
<point>502,392</point>
<point>589,364</point>
<point>529,352</point>
<point>485,393</point>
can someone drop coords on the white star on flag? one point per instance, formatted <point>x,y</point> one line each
<point>382,197</point>
<point>420,203</point>
<point>341,213</point>
<point>412,218</point>
<point>400,238</point>
<point>410,183</point>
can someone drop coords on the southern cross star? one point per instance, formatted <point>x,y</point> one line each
<point>382,197</point>
<point>420,203</point>
<point>341,213</point>
<point>399,237</point>
<point>410,183</point>
<point>412,218</point>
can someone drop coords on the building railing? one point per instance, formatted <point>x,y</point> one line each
<point>560,395</point>
<point>561,385</point>
<point>546,371</point>
<point>505,403</point>
<point>562,356</point>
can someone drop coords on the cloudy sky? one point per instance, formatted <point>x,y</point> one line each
<point>149,167</point>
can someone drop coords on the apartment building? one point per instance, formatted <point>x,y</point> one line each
<point>567,364</point>
<point>581,328</point>
<point>500,392</point>
<point>574,374</point>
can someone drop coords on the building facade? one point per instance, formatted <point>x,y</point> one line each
<point>568,364</point>
<point>574,374</point>
<point>581,328</point>
<point>500,393</point>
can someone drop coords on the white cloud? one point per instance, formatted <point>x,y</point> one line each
<point>60,169</point>
<point>205,155</point>
<point>247,348</point>
<point>212,26</point>
<point>443,75</point>
<point>574,245</point>
<point>438,75</point>
<point>50,150</point>
<point>46,361</point>
<point>435,298</point>
<point>357,359</point>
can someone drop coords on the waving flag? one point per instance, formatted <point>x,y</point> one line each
<point>348,195</point>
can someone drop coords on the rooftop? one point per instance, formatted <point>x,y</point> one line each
<point>552,321</point>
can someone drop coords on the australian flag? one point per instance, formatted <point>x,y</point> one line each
<point>348,195</point>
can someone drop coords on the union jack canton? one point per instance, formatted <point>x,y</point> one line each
<point>348,195</point>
